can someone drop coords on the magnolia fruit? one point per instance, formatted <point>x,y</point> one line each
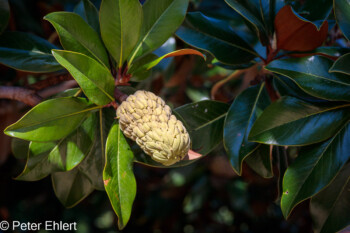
<point>146,119</point>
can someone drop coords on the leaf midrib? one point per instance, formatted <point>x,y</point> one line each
<point>59,117</point>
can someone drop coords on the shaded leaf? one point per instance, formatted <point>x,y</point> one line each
<point>161,19</point>
<point>311,74</point>
<point>95,80</point>
<point>27,52</point>
<point>251,13</point>
<point>204,122</point>
<point>4,14</point>
<point>294,33</point>
<point>89,13</point>
<point>71,187</point>
<point>260,161</point>
<point>64,155</point>
<point>246,108</point>
<point>290,121</point>
<point>341,65</point>
<point>19,148</point>
<point>342,14</point>
<point>216,37</point>
<point>118,175</point>
<point>315,11</point>
<point>51,120</point>
<point>120,27</point>
<point>76,35</point>
<point>329,209</point>
<point>314,168</point>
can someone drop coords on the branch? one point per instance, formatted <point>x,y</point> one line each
<point>120,96</point>
<point>24,95</point>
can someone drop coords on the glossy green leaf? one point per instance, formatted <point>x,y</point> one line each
<point>64,155</point>
<point>161,19</point>
<point>51,120</point>
<point>342,65</point>
<point>204,122</point>
<point>252,14</point>
<point>89,13</point>
<point>291,121</point>
<point>118,175</point>
<point>4,14</point>
<point>71,187</point>
<point>27,52</point>
<point>330,208</point>
<point>216,37</point>
<point>314,168</point>
<point>311,74</point>
<point>76,35</point>
<point>244,111</point>
<point>260,161</point>
<point>342,14</point>
<point>121,22</point>
<point>286,87</point>
<point>95,80</point>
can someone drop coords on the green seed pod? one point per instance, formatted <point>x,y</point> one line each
<point>146,119</point>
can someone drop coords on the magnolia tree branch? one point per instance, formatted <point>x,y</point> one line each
<point>33,97</point>
<point>27,96</point>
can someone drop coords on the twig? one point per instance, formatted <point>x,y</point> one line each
<point>24,95</point>
<point>50,81</point>
<point>120,96</point>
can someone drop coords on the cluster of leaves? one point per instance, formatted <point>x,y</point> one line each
<point>74,137</point>
<point>310,110</point>
<point>300,99</point>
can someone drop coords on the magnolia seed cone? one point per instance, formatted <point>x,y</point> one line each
<point>146,119</point>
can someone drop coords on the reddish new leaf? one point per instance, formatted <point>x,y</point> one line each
<point>294,33</point>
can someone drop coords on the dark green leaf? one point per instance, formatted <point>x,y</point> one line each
<point>23,51</point>
<point>4,14</point>
<point>330,208</point>
<point>342,14</point>
<point>316,11</point>
<point>71,187</point>
<point>118,175</point>
<point>252,14</point>
<point>95,161</point>
<point>290,121</point>
<point>51,120</point>
<point>314,169</point>
<point>161,19</point>
<point>89,13</point>
<point>95,79</point>
<point>204,122</point>
<point>120,26</point>
<point>311,74</point>
<point>76,35</point>
<point>19,148</point>
<point>286,87</point>
<point>342,65</point>
<point>64,155</point>
<point>260,161</point>
<point>246,108</point>
<point>216,37</point>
